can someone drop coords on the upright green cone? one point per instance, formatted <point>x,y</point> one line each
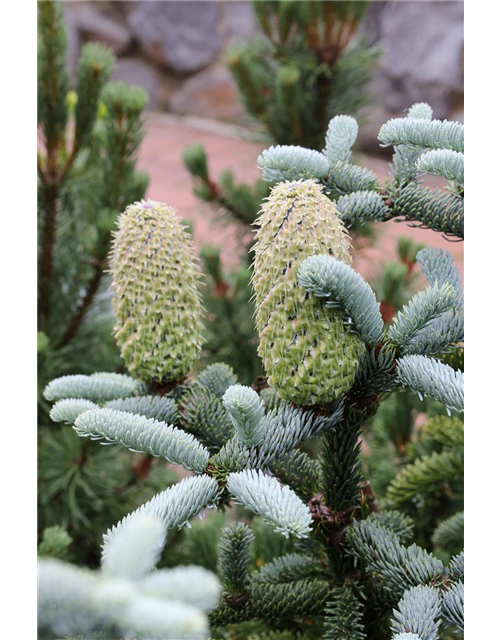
<point>157,302</point>
<point>308,355</point>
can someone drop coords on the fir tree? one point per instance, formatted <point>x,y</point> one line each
<point>352,570</point>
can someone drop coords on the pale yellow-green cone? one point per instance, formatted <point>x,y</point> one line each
<point>308,355</point>
<point>157,301</point>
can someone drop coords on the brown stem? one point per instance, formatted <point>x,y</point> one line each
<point>83,306</point>
<point>369,496</point>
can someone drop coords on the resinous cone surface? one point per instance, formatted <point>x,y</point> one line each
<point>308,355</point>
<point>157,301</point>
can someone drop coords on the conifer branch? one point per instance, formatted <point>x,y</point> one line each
<point>343,615</point>
<point>362,207</point>
<point>161,408</point>
<point>398,567</point>
<point>99,387</point>
<point>143,435</point>
<point>423,133</point>
<point>340,136</point>
<point>246,411</point>
<point>426,473</point>
<point>430,378</point>
<point>282,163</point>
<point>443,162</point>
<point>175,506</point>
<point>279,506</point>
<point>449,534</point>
<point>418,612</point>
<point>135,549</point>
<point>452,606</point>
<point>217,378</point>
<point>329,278</point>
<point>456,567</point>
<point>69,409</point>
<point>288,568</point>
<point>419,313</point>
<point>235,559</point>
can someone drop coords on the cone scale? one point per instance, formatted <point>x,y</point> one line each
<point>308,355</point>
<point>157,302</point>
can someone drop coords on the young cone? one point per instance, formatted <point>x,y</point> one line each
<point>308,355</point>
<point>157,301</point>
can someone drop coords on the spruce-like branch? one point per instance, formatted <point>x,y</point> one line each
<point>343,616</point>
<point>142,434</point>
<point>399,523</point>
<point>69,409</point>
<point>285,427</point>
<point>340,136</point>
<point>99,387</point>
<point>449,432</point>
<point>439,268</point>
<point>282,601</point>
<point>296,469</point>
<point>279,506</point>
<point>398,567</point>
<point>175,506</point>
<point>456,567</point>
<point>423,133</point>
<point>217,378</point>
<point>449,534</point>
<point>426,474</point>
<point>345,288</point>
<point>235,558</point>
<point>282,163</point>
<point>246,410</point>
<point>362,207</point>
<point>423,308</point>
<point>431,208</point>
<point>135,549</point>
<point>443,162</point>
<point>287,568</point>
<point>452,606</point>
<point>447,331</point>
<point>344,178</point>
<point>420,110</point>
<point>418,612</point>
<point>203,414</point>
<point>160,408</point>
<point>430,378</point>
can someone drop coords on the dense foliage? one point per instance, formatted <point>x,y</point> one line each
<point>348,566</point>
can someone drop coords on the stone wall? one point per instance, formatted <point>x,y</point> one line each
<point>174,50</point>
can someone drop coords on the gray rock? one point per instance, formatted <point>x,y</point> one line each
<point>94,25</point>
<point>211,93</point>
<point>238,20</point>
<point>181,36</point>
<point>423,42</point>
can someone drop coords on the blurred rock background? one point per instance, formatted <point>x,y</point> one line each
<point>174,50</point>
